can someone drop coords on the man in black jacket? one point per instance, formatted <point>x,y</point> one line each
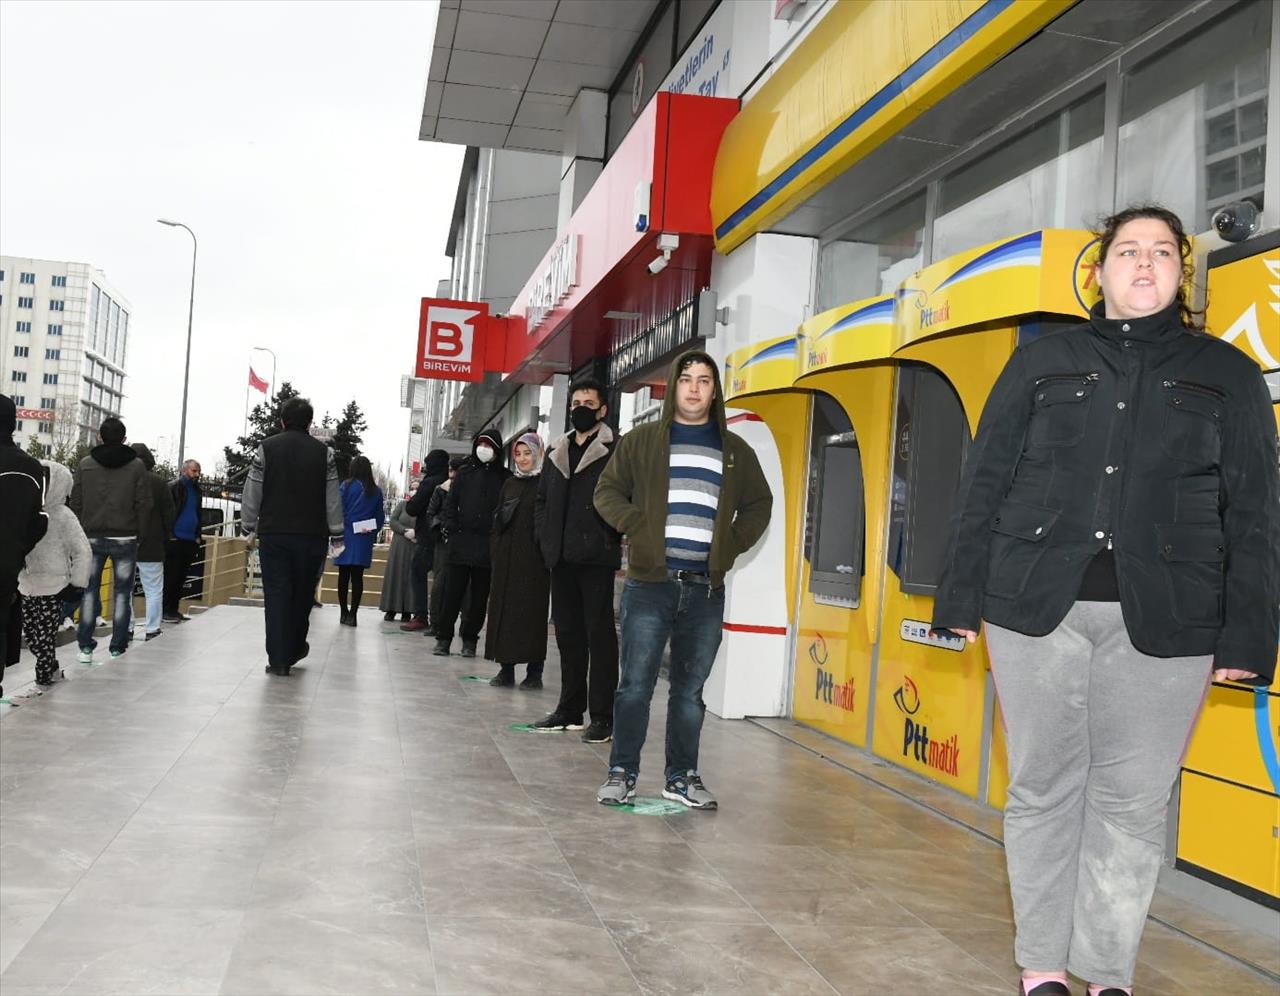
<point>152,541</point>
<point>468,521</point>
<point>435,471</point>
<point>583,553</point>
<point>22,525</point>
<point>291,501</point>
<point>112,499</point>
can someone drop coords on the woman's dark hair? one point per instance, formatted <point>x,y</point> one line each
<point>1106,235</point>
<point>362,471</point>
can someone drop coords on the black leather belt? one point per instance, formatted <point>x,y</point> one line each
<point>692,577</point>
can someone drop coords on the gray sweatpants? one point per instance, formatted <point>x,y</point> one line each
<point>1096,733</point>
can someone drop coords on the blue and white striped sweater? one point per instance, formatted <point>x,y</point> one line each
<point>693,493</point>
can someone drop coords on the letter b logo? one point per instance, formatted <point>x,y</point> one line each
<point>451,334</point>
<point>445,340</point>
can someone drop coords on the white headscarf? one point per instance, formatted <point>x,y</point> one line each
<point>536,447</point>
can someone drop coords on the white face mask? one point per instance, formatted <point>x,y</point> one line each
<point>484,453</point>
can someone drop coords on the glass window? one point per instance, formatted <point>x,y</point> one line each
<point>691,15</point>
<point>929,448</point>
<point>18,375</point>
<point>21,350</point>
<point>52,354</point>
<point>19,400</point>
<point>46,428</point>
<point>1050,176</point>
<point>27,278</point>
<point>57,305</point>
<point>641,79</point>
<point>53,329</point>
<point>1193,120</point>
<point>24,326</point>
<point>835,525</point>
<point>25,302</point>
<point>51,378</point>
<point>874,257</point>
<point>59,281</point>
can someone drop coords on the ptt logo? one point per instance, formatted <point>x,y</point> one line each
<point>1085,276</point>
<point>826,689</point>
<point>941,755</point>
<point>935,316</point>
<point>817,358</point>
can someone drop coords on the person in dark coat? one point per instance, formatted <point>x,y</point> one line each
<point>22,526</point>
<point>583,553</point>
<point>521,586</point>
<point>1117,534</point>
<point>363,514</point>
<point>397,597</point>
<point>291,501</point>
<point>468,521</point>
<point>435,471</point>
<point>151,544</point>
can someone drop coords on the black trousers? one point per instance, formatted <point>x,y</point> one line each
<point>582,610</point>
<point>440,571</point>
<point>178,555</point>
<point>290,565</point>
<point>469,584</point>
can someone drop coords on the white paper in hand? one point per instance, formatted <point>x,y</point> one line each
<point>364,526</point>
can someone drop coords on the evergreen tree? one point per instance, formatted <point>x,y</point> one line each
<point>347,436</point>
<point>264,421</point>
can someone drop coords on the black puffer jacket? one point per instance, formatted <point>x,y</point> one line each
<point>568,527</point>
<point>435,471</point>
<point>470,503</point>
<point>1139,434</point>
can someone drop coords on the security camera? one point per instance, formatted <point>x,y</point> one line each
<point>1236,221</point>
<point>659,264</point>
<point>667,244</point>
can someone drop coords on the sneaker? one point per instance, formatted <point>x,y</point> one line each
<point>531,684</point>
<point>414,625</point>
<point>388,617</point>
<point>556,723</point>
<point>469,648</point>
<point>116,653</point>
<point>86,656</point>
<point>151,636</point>
<point>441,649</point>
<point>171,617</point>
<point>506,678</point>
<point>688,789</point>
<point>598,732</point>
<point>618,790</point>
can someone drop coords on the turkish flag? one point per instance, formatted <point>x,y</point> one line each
<point>256,382</point>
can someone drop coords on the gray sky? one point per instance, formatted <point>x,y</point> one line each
<point>285,135</point>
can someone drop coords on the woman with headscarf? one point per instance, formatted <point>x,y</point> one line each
<point>521,587</point>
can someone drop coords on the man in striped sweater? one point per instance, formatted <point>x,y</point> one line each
<point>690,496</point>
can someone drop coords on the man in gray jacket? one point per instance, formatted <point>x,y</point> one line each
<point>113,502</point>
<point>291,501</point>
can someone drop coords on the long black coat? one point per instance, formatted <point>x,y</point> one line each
<point>521,588</point>
<point>1139,435</point>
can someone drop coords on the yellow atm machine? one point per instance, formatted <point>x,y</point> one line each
<point>1228,815</point>
<point>957,322</point>
<point>843,359</point>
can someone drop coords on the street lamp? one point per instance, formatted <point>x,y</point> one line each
<point>186,374</point>
<point>264,349</point>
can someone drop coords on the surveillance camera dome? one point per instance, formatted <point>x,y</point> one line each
<point>1236,221</point>
<point>658,265</point>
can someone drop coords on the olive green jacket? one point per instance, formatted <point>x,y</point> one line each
<point>632,494</point>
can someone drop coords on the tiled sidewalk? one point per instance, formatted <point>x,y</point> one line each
<point>178,822</point>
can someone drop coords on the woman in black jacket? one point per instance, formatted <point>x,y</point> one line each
<point>521,586</point>
<point>1117,529</point>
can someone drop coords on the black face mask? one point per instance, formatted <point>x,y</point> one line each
<point>583,418</point>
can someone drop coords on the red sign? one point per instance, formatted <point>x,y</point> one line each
<point>451,339</point>
<point>38,414</point>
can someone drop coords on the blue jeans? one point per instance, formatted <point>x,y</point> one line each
<point>151,574</point>
<point>690,616</point>
<point>123,555</point>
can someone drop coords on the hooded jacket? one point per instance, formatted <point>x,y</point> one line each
<point>151,542</point>
<point>22,499</point>
<point>471,501</point>
<point>435,471</point>
<point>568,527</point>
<point>632,493</point>
<point>64,556</point>
<point>1137,435</point>
<point>111,494</point>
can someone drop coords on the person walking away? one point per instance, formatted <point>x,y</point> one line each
<point>112,498</point>
<point>292,503</point>
<point>583,553</point>
<point>22,526</point>
<point>151,544</point>
<point>1117,529</point>
<point>397,597</point>
<point>435,472</point>
<point>363,514</point>
<point>469,506</point>
<point>184,543</point>
<point>690,496</point>
<point>57,569</point>
<point>521,585</point>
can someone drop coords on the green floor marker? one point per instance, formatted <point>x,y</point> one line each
<point>523,727</point>
<point>473,677</point>
<point>653,807</point>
